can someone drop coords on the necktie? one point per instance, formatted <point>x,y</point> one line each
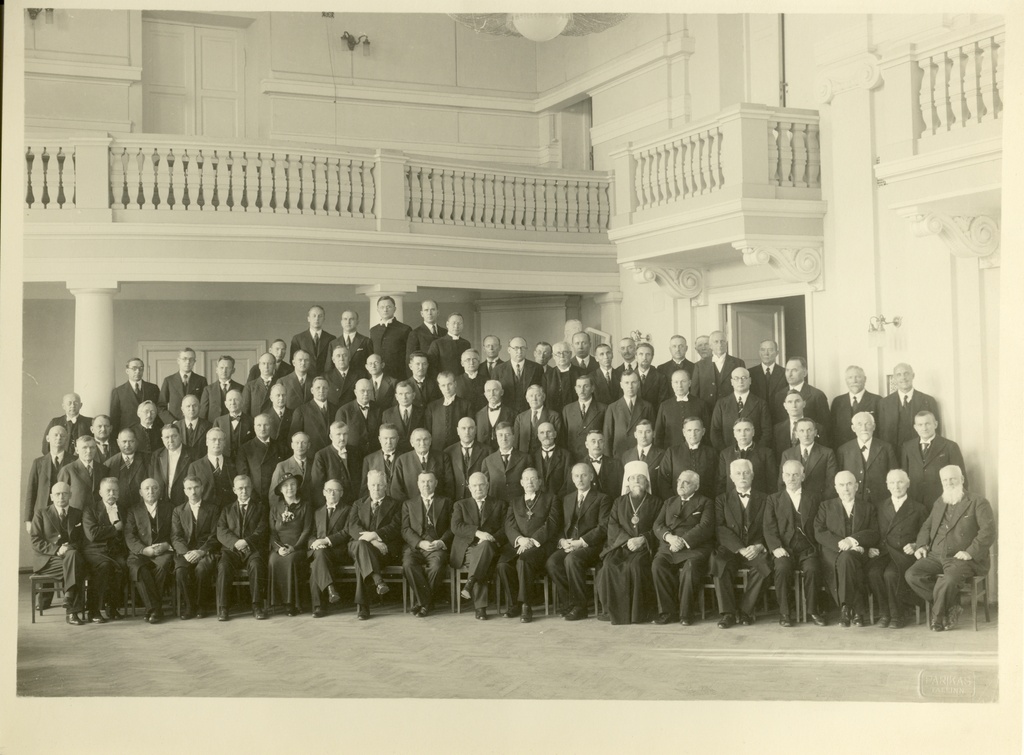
<point>243,510</point>
<point>433,330</point>
<point>608,376</point>
<point>792,433</point>
<point>906,401</point>
<point>767,372</point>
<point>374,507</point>
<point>583,409</point>
<point>504,460</point>
<point>642,378</point>
<point>579,502</point>
<point>388,467</point>
<point>316,342</point>
<point>536,419</point>
<point>348,341</point>
<point>805,454</point>
<point>266,384</point>
<point>138,390</point>
<point>864,451</point>
<point>224,388</point>
<point>330,513</point>
<point>426,506</point>
<point>629,405</point>
<point>924,448</point>
<point>302,467</point>
<point>465,458</point>
<point>743,453</point>
<point>216,468</point>
<point>423,462</point>
<point>519,371</point>
<point>854,403</point>
<point>405,416</point>
<point>184,382</point>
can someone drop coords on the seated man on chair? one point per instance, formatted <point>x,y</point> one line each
<point>374,526</point>
<point>329,546</point>
<point>952,547</point>
<point>147,533</point>
<point>105,552</point>
<point>478,524</point>
<point>243,531</point>
<point>57,541</point>
<point>194,537</point>
<point>427,531</point>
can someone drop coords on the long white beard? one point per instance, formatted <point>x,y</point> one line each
<point>953,497</point>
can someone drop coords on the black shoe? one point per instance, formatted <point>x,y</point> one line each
<point>513,611</point>
<point>785,621</point>
<point>844,616</point>
<point>604,617</point>
<point>97,618</point>
<point>860,620</point>
<point>481,614</point>
<point>662,618</point>
<point>819,619</point>
<point>319,613</point>
<point>259,613</point>
<point>884,621</point>
<point>953,616</point>
<point>382,588</point>
<point>686,621</point>
<point>155,618</point>
<point>563,612</point>
<point>726,621</point>
<point>201,613</point>
<point>938,626</point>
<point>576,614</point>
<point>467,591</point>
<point>332,594</point>
<point>292,610</point>
<point>186,615</point>
<point>898,623</point>
<point>222,614</point>
<point>73,618</point>
<point>527,616</point>
<point>113,614</point>
<point>423,612</point>
<point>747,619</point>
<point>362,612</point>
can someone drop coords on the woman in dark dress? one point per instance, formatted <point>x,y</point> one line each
<point>625,582</point>
<point>291,524</point>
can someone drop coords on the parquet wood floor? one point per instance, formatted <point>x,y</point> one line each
<point>453,656</point>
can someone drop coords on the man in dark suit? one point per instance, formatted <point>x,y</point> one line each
<point>815,403</point>
<point>789,534</point>
<point>819,462</point>
<point>175,387</point>
<point>525,427</point>
<point>924,458</point>
<point>505,466</point>
<point>677,350</point>
<point>869,458</point>
<point>422,336</point>
<point>125,398</point>
<point>739,518</point>
<point>147,429</point>
<point>100,431</point>
<point>329,547</point>
<point>405,415</point>
<point>278,350</point>
<point>384,460</point>
<point>192,427</point>
<point>315,341</point>
<point>44,473</point>
<point>216,471</point>
<point>212,402</point>
<point>711,377</point>
<point>740,403</point>
<point>280,420</point>
<point>654,386</point>
<point>478,526</point>
<point>496,412</point>
<point>784,432</point>
<point>952,547</point>
<point>375,533</point>
<point>359,346</point>
<point>685,529</point>
<point>339,462</point>
<point>83,474</point>
<point>428,536</point>
<point>897,412</point>
<point>382,387</point>
<point>691,454</point>
<point>582,359</point>
<point>315,416</point>
<point>147,533</point>
<point>443,413</point>
<point>243,532</point>
<point>845,529</point>
<point>744,448</point>
<point>169,465</point>
<point>627,352</point>
<point>235,424</point>
<point>256,393</point>
<point>445,352</point>
<point>846,406</point>
<point>607,470</point>
<point>194,537</point>
<point>469,384</point>
<point>298,386</point>
<point>606,383</point>
<point>517,375</point>
<point>622,416</point>
<point>390,338</point>
<point>421,458</point>
<point>341,377</point>
<point>491,346</point>
<point>257,460</point>
<point>581,416</point>
<point>105,552</point>
<point>553,464</point>
<point>645,451</point>
<point>899,520</point>
<point>560,380</point>
<point>73,422</point>
<point>768,378</point>
<point>668,422</point>
<point>362,417</point>
<point>466,457</point>
<point>532,526</point>
<point>57,539</point>
<point>130,467</point>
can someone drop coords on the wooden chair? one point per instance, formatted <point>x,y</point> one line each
<point>40,585</point>
<point>458,579</point>
<point>544,580</point>
<point>392,575</point>
<point>976,588</point>
<point>590,581</point>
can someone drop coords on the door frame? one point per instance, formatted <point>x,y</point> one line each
<point>717,301</point>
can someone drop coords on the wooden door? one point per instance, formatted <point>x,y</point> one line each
<point>750,323</point>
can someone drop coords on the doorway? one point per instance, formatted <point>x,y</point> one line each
<point>782,320</point>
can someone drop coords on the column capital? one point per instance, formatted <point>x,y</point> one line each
<point>684,283</point>
<point>97,286</point>
<point>966,236</point>
<point>859,72</point>
<point>612,297</point>
<point>793,260</point>
<point>379,289</point>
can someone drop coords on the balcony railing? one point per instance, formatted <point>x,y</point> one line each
<point>178,175</point>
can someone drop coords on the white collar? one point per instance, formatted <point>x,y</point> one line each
<point>858,396</point>
<point>898,502</point>
<point>797,388</point>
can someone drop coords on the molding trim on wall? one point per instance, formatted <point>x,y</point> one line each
<point>104,73</point>
<point>685,283</point>
<point>793,260</point>
<point>925,165</point>
<point>861,72</point>
<point>520,304</point>
<point>651,115</point>
<point>968,237</point>
<point>72,127</point>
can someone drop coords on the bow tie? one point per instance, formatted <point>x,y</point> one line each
<point>743,495</point>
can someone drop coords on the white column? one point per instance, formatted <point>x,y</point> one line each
<point>611,313</point>
<point>375,292</point>
<point>94,345</point>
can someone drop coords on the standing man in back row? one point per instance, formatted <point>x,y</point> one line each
<point>712,377</point>
<point>390,338</point>
<point>315,341</point>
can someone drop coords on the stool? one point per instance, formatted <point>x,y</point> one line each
<point>976,587</point>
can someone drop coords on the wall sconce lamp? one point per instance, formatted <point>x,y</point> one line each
<point>877,323</point>
<point>351,40</point>
<point>33,13</point>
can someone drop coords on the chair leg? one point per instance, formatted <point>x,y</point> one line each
<point>32,596</point>
<point>871,608</point>
<point>547,587</point>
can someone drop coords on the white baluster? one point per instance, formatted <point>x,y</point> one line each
<point>800,154</point>
<point>530,203</point>
<point>987,79</point>
<point>813,156</point>
<point>604,207</point>
<point>957,100</point>
<point>941,95</point>
<point>447,195</point>
<point>774,130</point>
<point>785,153</point>
<point>925,96</point>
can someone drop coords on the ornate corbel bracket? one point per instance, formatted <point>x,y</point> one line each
<point>687,283</point>
<point>796,263</point>
<point>861,72</point>
<point>966,236</point>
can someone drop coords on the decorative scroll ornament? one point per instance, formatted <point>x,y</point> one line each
<point>969,237</point>
<point>687,283</point>
<point>795,264</point>
<point>862,72</point>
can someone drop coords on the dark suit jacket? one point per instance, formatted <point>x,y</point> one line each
<point>189,533</point>
<point>362,431</point>
<point>41,478</point>
<point>783,528</point>
<point>484,428</point>
<point>782,435</point>
<point>816,408</point>
<point>577,426</point>
<point>328,465</point>
<point>896,429</point>
<point>973,530</point>
<point>81,427</point>
<point>101,537</point>
<point>83,490</point>
<point>443,421</point>
<point>764,468</point>
<point>296,395</point>
<point>870,475</point>
<point>504,373</point>
<point>486,369</point>
<point>124,405</point>
<point>218,490</point>
<point>462,471</point>
<point>420,338</point>
<point>556,472</point>
<point>172,490</point>
<point>147,440</point>
<point>389,523</point>
<point>281,431</point>
<point>727,411</point>
<point>709,386</point>
<point>589,369</point>
<point>258,460</point>
<point>819,471</point>
<point>280,370</point>
<point>310,420</point>
<point>340,389</point>
<point>414,520</point>
<point>768,389</point>
<point>543,523</point>
<point>609,479</point>
<point>417,419</point>
<point>211,404</point>
<point>255,532</point>
<point>678,459</point>
<point>606,391</point>
<point>130,478</point>
<point>925,484</point>
<point>668,424</point>
<point>384,397</point>
<point>320,357</point>
<point>467,519</point>
<point>591,525</point>
<point>729,521</point>
<point>655,455</point>
<point>560,387</point>
<point>842,415</point>
<point>693,520</point>
<point>234,440</point>
<point>334,527</point>
<point>505,483</point>
<point>139,534</point>
<point>172,392</point>
<point>669,368</point>
<point>407,471</point>
<point>472,390</point>
<point>899,528</point>
<point>390,343</point>
<point>424,393</point>
<point>830,527</point>
<point>445,355</point>
<point>375,463</point>
<point>197,448</point>
<point>655,387</point>
<point>524,435</point>
<point>256,397</point>
<point>620,422</point>
<point>360,349</point>
<point>47,536</point>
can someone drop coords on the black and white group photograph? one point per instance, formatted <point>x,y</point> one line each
<point>480,381</point>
